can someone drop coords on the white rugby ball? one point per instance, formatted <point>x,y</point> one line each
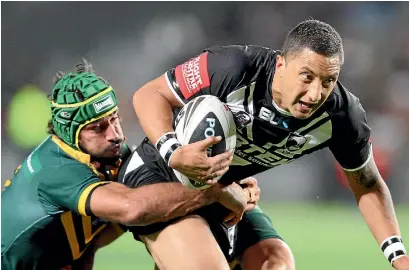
<point>200,118</point>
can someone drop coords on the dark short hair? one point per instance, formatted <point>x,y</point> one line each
<point>315,35</point>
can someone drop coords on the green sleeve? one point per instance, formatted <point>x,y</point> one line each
<point>69,187</point>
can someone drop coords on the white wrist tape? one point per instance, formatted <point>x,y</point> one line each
<point>166,145</point>
<point>393,248</point>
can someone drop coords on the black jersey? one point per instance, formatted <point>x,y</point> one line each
<point>267,136</point>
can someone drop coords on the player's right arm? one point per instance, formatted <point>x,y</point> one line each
<point>77,188</point>
<point>210,73</point>
<point>160,202</point>
<point>153,104</point>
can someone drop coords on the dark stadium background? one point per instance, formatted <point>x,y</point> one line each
<point>130,43</point>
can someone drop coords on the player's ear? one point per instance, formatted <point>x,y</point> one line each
<point>280,62</point>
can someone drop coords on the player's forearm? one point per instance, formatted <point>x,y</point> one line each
<point>374,201</point>
<point>377,208</point>
<point>165,201</point>
<point>153,111</point>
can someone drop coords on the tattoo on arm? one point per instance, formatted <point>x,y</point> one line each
<point>366,177</point>
<point>378,206</point>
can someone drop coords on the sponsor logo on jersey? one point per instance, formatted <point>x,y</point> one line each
<point>241,119</point>
<point>272,117</point>
<point>103,104</point>
<point>295,142</point>
<point>269,155</point>
<point>252,153</point>
<point>192,76</point>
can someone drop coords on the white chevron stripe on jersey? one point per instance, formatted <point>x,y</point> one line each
<point>135,162</point>
<point>250,107</point>
<point>237,101</point>
<point>316,120</point>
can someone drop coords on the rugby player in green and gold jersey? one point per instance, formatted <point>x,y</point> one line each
<point>63,202</point>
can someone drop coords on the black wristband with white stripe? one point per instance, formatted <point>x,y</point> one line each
<point>167,145</point>
<point>393,248</point>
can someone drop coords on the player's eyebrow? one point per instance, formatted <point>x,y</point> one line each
<point>334,75</point>
<point>309,70</point>
<point>91,125</point>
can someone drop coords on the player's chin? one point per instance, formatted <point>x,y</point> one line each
<point>109,154</point>
<point>301,115</point>
<point>115,155</point>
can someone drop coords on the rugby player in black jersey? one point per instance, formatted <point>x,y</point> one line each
<point>286,104</point>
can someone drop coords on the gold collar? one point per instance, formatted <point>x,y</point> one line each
<point>75,154</point>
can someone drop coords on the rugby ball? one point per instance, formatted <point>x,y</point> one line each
<point>200,118</point>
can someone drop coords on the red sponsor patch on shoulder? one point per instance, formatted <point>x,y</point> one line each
<point>192,76</point>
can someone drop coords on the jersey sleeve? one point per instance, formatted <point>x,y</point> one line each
<point>70,188</point>
<point>351,144</point>
<point>214,72</point>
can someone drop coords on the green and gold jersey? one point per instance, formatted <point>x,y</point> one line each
<point>45,215</point>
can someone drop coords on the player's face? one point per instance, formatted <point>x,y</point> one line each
<point>306,80</point>
<point>103,138</point>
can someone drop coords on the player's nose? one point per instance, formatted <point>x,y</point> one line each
<point>314,92</point>
<point>112,133</point>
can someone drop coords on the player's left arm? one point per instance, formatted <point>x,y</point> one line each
<point>352,148</point>
<point>376,205</point>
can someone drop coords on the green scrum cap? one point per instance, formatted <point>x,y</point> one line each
<point>77,100</point>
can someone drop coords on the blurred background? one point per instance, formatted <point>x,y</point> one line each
<point>130,43</point>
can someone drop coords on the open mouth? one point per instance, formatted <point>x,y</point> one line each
<point>306,107</point>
